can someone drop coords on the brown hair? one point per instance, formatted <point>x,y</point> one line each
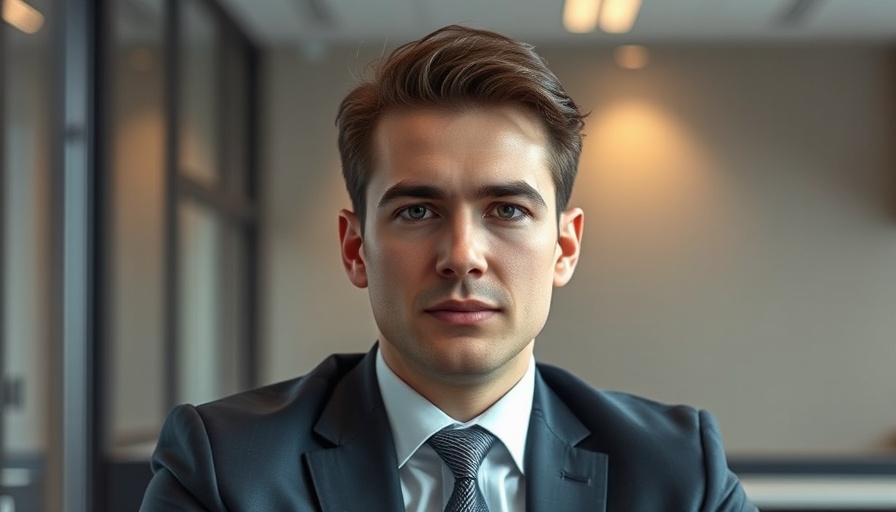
<point>454,67</point>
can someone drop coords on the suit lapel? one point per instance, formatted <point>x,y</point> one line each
<point>560,476</point>
<point>360,472</point>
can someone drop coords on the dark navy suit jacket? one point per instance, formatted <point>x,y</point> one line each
<point>323,442</point>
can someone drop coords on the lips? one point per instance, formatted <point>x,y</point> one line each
<point>462,312</point>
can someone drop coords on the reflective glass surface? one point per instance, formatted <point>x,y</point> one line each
<point>31,455</point>
<point>135,380</point>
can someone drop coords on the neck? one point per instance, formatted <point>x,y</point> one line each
<point>466,402</point>
<point>465,396</point>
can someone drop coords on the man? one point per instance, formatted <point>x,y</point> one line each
<point>459,155</point>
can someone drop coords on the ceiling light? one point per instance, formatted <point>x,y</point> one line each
<point>631,56</point>
<point>22,16</point>
<point>580,16</point>
<point>618,16</point>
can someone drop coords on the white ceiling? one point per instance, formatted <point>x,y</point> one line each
<point>539,21</point>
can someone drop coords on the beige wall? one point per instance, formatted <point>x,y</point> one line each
<point>27,288</point>
<point>740,240</point>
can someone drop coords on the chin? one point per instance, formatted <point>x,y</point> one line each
<point>475,361</point>
<point>466,375</point>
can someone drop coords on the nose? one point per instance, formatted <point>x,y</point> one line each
<point>462,249</point>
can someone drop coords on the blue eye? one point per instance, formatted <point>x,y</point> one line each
<point>416,212</point>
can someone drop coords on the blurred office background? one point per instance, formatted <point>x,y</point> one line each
<point>170,185</point>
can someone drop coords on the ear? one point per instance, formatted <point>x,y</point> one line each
<point>569,242</point>
<point>352,245</point>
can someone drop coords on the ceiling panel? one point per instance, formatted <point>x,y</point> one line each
<point>513,17</point>
<point>287,21</point>
<point>361,19</point>
<point>267,21</point>
<point>859,19</point>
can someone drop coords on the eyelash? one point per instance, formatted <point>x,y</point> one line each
<point>521,213</point>
<point>402,213</point>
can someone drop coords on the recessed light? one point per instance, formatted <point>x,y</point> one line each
<point>631,56</point>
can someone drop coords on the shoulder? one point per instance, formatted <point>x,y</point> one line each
<point>629,425</point>
<point>615,409</point>
<point>656,451</point>
<point>631,429</point>
<point>270,419</point>
<point>294,403</point>
<point>225,447</point>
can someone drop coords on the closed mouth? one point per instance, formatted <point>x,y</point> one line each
<point>466,313</point>
<point>464,306</point>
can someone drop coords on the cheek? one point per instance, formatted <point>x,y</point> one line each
<point>545,245</point>
<point>530,262</point>
<point>391,266</point>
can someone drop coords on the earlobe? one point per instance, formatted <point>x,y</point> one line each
<point>569,243</point>
<point>352,245</point>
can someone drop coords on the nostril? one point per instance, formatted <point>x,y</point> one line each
<point>462,252</point>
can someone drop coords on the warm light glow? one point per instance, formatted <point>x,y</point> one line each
<point>141,59</point>
<point>580,16</point>
<point>618,16</point>
<point>649,181</point>
<point>631,56</point>
<point>22,16</point>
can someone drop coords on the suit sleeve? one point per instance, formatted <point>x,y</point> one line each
<point>183,467</point>
<point>723,490</point>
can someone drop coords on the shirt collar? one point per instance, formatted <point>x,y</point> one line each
<point>414,419</point>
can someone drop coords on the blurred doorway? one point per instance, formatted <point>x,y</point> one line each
<point>128,237</point>
<point>182,223</point>
<point>31,477</point>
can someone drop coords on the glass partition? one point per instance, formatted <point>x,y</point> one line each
<point>199,101</point>
<point>137,122</point>
<point>209,282</point>
<point>29,479</point>
<point>214,209</point>
<point>127,237</point>
<point>179,230</point>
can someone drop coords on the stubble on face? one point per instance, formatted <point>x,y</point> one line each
<point>462,252</point>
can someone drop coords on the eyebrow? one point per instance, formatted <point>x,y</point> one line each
<point>402,190</point>
<point>511,189</point>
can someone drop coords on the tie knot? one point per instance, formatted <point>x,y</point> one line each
<point>462,449</point>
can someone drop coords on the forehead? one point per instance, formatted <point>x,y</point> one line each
<point>472,146</point>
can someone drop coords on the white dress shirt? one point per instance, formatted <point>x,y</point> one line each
<point>426,482</point>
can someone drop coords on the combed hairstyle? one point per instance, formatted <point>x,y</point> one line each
<point>453,68</point>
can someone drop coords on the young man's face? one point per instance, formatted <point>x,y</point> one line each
<point>461,248</point>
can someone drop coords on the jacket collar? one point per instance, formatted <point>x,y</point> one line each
<point>354,421</point>
<point>560,476</point>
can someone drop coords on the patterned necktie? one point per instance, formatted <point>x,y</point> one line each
<point>463,450</point>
